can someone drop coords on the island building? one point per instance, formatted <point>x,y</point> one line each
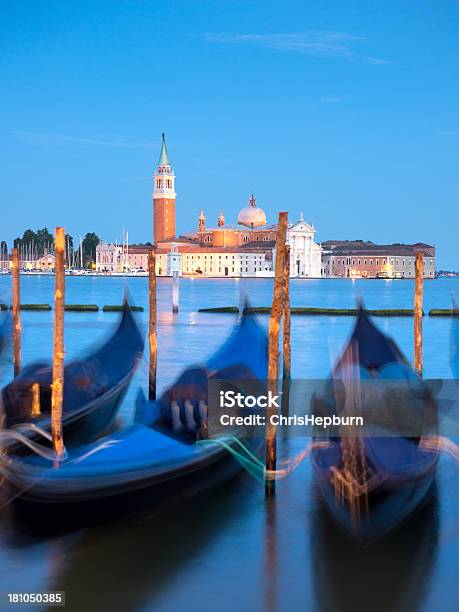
<point>247,248</point>
<point>184,258</point>
<point>29,263</point>
<point>243,249</point>
<point>360,259</point>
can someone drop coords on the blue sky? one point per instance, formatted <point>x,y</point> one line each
<point>345,111</point>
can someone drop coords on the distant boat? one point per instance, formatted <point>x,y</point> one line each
<point>93,386</point>
<point>146,460</point>
<point>393,474</point>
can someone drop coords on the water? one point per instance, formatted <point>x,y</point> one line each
<point>229,550</point>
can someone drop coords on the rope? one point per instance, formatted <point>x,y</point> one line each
<point>254,466</point>
<point>9,435</point>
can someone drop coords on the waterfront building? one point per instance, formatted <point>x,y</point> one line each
<point>305,254</point>
<point>164,198</point>
<point>173,261</point>
<point>114,258</point>
<point>251,241</point>
<point>108,257</point>
<point>45,263</point>
<point>251,227</point>
<point>359,259</point>
<point>39,263</point>
<point>196,260</point>
<point>252,232</point>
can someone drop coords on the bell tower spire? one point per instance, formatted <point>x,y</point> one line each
<point>164,197</point>
<point>164,157</point>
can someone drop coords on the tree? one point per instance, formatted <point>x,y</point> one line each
<point>44,238</point>
<point>90,242</point>
<point>3,250</point>
<point>68,248</point>
<point>35,243</point>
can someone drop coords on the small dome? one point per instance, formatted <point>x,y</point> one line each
<point>252,215</point>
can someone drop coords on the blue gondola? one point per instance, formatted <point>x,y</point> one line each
<point>396,471</point>
<point>152,457</point>
<point>93,387</point>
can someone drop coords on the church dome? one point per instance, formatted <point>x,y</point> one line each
<point>252,215</point>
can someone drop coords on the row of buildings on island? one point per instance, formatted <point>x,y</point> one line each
<point>247,248</point>
<point>243,249</point>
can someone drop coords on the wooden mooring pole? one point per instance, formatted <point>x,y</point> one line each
<point>418,289</point>
<point>286,358</point>
<point>175,291</point>
<point>273,358</point>
<point>152,325</point>
<point>57,393</point>
<point>36,408</point>
<point>16,310</point>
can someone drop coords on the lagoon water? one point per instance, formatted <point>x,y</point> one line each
<point>229,550</point>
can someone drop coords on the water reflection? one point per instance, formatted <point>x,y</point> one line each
<point>271,557</point>
<point>390,574</point>
<point>128,563</point>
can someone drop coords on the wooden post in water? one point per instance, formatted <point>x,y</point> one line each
<point>273,358</point>
<point>175,291</point>
<point>286,358</point>
<point>16,309</point>
<point>36,409</point>
<point>418,288</point>
<point>152,325</point>
<point>58,354</point>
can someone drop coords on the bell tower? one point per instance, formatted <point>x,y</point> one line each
<point>163,198</point>
<point>202,222</point>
